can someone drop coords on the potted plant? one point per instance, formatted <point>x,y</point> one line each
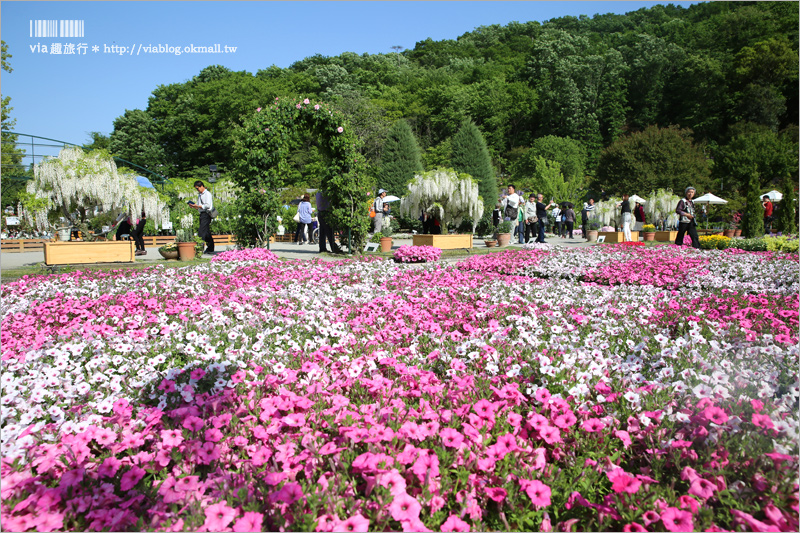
<point>649,232</point>
<point>490,241</point>
<point>737,219</point>
<point>169,251</point>
<point>503,233</point>
<point>592,227</point>
<point>730,230</point>
<point>187,246</point>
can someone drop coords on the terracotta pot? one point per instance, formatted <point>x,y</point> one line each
<point>649,236</point>
<point>173,255</point>
<point>503,239</point>
<point>386,244</point>
<point>490,243</point>
<point>729,233</point>
<point>737,232</point>
<point>186,250</point>
<point>592,234</point>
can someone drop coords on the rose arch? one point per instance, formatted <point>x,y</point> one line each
<point>261,165</point>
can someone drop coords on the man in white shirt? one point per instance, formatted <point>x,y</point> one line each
<point>204,205</point>
<point>511,206</point>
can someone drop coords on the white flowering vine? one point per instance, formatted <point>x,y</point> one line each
<point>445,194</point>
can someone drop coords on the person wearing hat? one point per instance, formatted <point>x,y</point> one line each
<point>378,206</point>
<point>687,223</point>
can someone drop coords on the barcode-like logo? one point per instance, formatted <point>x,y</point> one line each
<point>57,28</point>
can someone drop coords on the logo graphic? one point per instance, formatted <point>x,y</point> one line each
<point>56,28</point>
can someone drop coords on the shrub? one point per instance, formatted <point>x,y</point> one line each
<point>504,227</point>
<point>782,244</point>
<point>750,245</point>
<point>714,242</point>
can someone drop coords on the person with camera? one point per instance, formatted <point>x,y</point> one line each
<point>204,206</point>
<point>530,218</point>
<point>688,222</point>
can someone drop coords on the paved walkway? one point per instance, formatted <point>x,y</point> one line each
<point>11,260</point>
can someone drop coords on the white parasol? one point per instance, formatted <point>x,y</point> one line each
<point>636,198</point>
<point>390,198</point>
<point>775,196</point>
<point>709,198</point>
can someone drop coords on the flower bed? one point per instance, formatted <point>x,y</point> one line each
<point>249,393</point>
<point>417,254</point>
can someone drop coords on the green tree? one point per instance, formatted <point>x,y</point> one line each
<point>470,156</point>
<point>400,160</point>
<point>656,158</point>
<point>787,213</point>
<point>753,219</point>
<point>755,150</point>
<point>570,155</point>
<point>136,139</point>
<point>11,156</point>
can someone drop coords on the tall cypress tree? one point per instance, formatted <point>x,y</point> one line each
<point>753,220</point>
<point>471,156</point>
<point>400,160</point>
<point>787,217</point>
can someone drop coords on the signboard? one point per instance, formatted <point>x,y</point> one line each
<point>166,225</point>
<point>12,221</point>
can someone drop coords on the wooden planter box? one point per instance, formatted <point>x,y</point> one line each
<point>444,242</point>
<point>618,236</point>
<point>666,236</point>
<point>66,253</point>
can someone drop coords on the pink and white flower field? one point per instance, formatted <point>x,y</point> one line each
<point>607,388</point>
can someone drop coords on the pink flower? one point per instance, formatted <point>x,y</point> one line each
<point>218,516</point>
<point>542,395</point>
<point>451,438</point>
<point>131,478</point>
<point>454,523</point>
<point>622,482</point>
<point>258,110</point>
<point>316,107</point>
<point>702,488</point>
<point>762,421</point>
<point>298,106</point>
<point>354,523</point>
<point>677,520</point>
<point>394,482</point>
<point>715,415</point>
<point>193,423</point>
<point>340,129</point>
<point>404,507</point>
<point>496,493</point>
<point>251,521</point>
<point>109,467</point>
<point>171,437</point>
<point>633,527</point>
<point>187,484</point>
<point>306,101</point>
<point>592,425</point>
<point>538,492</point>
<point>290,493</point>
<point>199,373</point>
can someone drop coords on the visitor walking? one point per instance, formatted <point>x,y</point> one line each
<point>304,212</point>
<point>325,228</point>
<point>768,213</point>
<point>687,222</point>
<point>556,214</point>
<point>378,207</point>
<point>123,225</point>
<point>511,207</point>
<point>138,234</point>
<point>497,215</point>
<point>530,218</point>
<point>638,214</point>
<point>521,226</point>
<point>541,214</point>
<point>569,220</point>
<point>204,206</point>
<point>586,213</point>
<point>626,217</point>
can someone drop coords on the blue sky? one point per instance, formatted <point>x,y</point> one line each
<point>65,97</point>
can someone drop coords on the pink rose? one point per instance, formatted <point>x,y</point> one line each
<point>306,101</point>
<point>340,129</point>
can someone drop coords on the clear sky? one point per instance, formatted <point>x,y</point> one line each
<point>66,96</point>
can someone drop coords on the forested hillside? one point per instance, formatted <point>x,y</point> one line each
<point>690,79</point>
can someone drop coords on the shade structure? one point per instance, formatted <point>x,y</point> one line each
<point>709,198</point>
<point>390,198</point>
<point>775,196</point>
<point>636,198</point>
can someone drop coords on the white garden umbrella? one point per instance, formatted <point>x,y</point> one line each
<point>390,198</point>
<point>636,198</point>
<point>709,198</point>
<point>775,196</point>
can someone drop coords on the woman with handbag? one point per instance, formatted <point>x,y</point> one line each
<point>304,214</point>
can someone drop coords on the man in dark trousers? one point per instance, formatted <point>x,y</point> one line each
<point>586,212</point>
<point>204,206</point>
<point>541,214</point>
<point>325,228</point>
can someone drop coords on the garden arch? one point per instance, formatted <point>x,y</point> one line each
<point>261,153</point>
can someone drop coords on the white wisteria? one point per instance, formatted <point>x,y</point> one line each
<point>223,191</point>
<point>76,179</point>
<point>445,194</point>
<point>660,205</point>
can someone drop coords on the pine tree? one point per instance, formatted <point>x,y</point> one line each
<point>753,220</point>
<point>787,216</point>
<point>471,156</point>
<point>400,160</point>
